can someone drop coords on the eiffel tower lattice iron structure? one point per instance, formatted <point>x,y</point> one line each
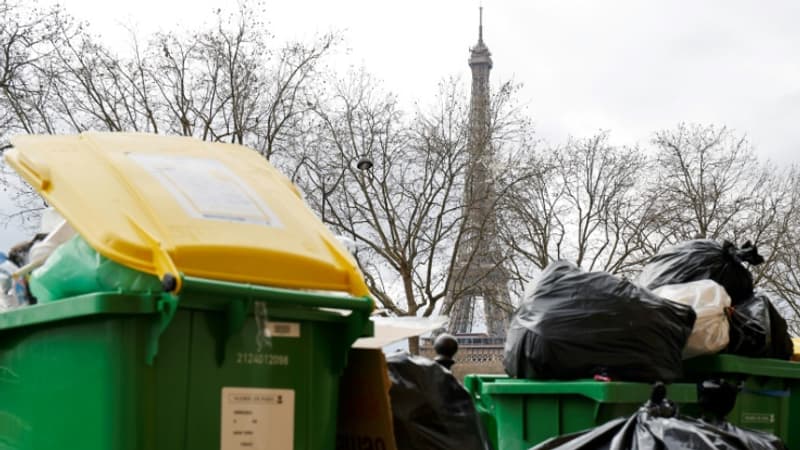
<point>480,281</point>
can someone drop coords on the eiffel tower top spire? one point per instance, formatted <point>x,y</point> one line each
<point>480,52</point>
<point>480,24</point>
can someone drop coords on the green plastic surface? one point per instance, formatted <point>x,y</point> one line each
<point>74,373</point>
<point>519,414</point>
<point>770,399</point>
<point>775,368</point>
<point>87,272</point>
<point>483,403</point>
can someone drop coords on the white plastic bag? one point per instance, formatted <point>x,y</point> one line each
<point>709,300</point>
<point>7,269</point>
<point>59,234</point>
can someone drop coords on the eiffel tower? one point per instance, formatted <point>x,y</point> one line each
<point>480,280</point>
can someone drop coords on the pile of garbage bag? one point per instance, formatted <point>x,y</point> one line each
<point>659,426</point>
<point>758,330</point>
<point>696,298</point>
<point>755,327</point>
<point>578,324</point>
<point>430,407</point>
<point>704,259</point>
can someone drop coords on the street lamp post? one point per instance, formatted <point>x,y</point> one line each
<point>363,164</point>
<point>326,191</point>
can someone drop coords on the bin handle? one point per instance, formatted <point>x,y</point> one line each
<point>166,305</point>
<point>165,268</point>
<point>39,175</point>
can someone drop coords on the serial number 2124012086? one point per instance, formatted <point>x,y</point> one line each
<point>266,359</point>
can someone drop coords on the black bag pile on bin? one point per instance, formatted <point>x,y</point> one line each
<point>431,409</point>
<point>757,330</point>
<point>704,259</point>
<point>658,426</point>
<point>579,324</point>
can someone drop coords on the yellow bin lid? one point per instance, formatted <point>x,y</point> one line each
<point>178,205</point>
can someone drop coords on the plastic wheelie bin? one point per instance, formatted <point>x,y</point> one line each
<point>241,346</point>
<point>522,413</point>
<point>770,396</point>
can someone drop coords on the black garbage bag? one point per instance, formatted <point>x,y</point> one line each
<point>757,330</point>
<point>431,409</point>
<point>753,439</point>
<point>782,346</point>
<point>658,426</point>
<point>579,324</point>
<point>749,329</point>
<point>717,397</point>
<point>704,259</point>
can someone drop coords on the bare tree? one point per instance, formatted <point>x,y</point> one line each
<point>404,211</point>
<point>705,182</point>
<point>531,213</point>
<point>710,184</point>
<point>774,225</point>
<point>26,79</point>
<point>581,203</point>
<point>599,185</point>
<point>230,82</point>
<point>26,89</point>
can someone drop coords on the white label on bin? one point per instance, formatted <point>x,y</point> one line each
<point>257,419</point>
<point>758,418</point>
<point>282,329</point>
<point>207,189</point>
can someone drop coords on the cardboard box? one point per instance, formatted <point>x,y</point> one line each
<point>365,409</point>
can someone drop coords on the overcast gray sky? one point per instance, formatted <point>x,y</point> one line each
<point>628,66</point>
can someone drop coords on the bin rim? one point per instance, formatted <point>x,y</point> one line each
<point>720,364</point>
<point>601,391</point>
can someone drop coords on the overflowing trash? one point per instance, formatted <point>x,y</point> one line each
<point>704,259</point>
<point>88,271</point>
<point>658,425</point>
<point>757,330</point>
<point>431,409</point>
<point>691,300</point>
<point>7,270</point>
<point>13,279</point>
<point>24,257</point>
<point>710,302</point>
<point>580,324</point>
<point>755,327</point>
<point>577,324</point>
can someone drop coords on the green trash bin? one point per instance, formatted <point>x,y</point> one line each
<point>483,404</point>
<point>222,366</point>
<point>524,413</point>
<point>770,398</point>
